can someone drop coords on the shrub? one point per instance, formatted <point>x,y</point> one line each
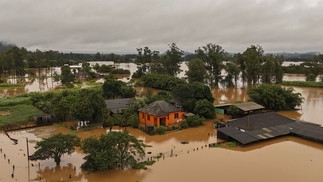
<point>160,130</point>
<point>120,71</point>
<point>194,121</point>
<point>204,108</point>
<point>184,124</point>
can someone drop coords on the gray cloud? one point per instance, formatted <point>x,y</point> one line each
<point>124,25</point>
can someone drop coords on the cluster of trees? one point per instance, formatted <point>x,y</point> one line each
<point>150,61</point>
<point>311,68</point>
<point>213,65</point>
<point>113,89</point>
<point>196,98</point>
<point>84,105</point>
<point>114,150</point>
<point>161,81</point>
<point>275,97</point>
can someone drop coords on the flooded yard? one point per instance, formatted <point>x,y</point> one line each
<point>282,159</point>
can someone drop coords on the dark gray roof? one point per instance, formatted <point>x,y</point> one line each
<point>248,106</point>
<point>159,108</point>
<point>117,105</point>
<point>269,125</point>
<point>258,121</point>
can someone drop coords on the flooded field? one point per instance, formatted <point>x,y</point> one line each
<point>282,159</point>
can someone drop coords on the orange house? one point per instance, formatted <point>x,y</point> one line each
<point>160,113</point>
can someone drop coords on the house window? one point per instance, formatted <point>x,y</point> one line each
<point>143,116</point>
<point>176,116</point>
<point>148,118</point>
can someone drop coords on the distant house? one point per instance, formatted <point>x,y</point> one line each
<point>160,113</point>
<point>117,105</point>
<point>81,75</point>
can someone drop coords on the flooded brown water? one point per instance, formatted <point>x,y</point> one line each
<point>282,159</point>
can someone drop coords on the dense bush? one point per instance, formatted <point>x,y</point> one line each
<point>184,124</point>
<point>120,71</point>
<point>194,121</point>
<point>104,69</point>
<point>161,81</point>
<point>275,97</point>
<point>204,108</point>
<point>189,93</point>
<point>160,130</point>
<point>115,89</point>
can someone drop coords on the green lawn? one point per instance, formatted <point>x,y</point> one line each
<point>13,115</point>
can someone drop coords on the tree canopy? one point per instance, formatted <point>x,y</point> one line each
<point>275,97</point>
<point>115,150</point>
<point>55,147</point>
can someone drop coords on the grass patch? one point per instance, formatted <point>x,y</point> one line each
<point>230,144</point>
<point>143,165</point>
<point>303,83</point>
<point>6,85</point>
<point>11,101</point>
<point>19,114</point>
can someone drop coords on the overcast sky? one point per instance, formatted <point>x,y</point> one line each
<point>121,26</point>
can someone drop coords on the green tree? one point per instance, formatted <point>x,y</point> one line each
<point>204,108</point>
<point>114,88</point>
<point>66,76</point>
<point>213,57</point>
<point>145,58</point>
<point>55,147</point>
<point>82,109</point>
<point>172,59</point>
<point>233,70</point>
<point>275,97</point>
<point>187,94</point>
<point>113,150</point>
<point>196,71</point>
<point>253,58</point>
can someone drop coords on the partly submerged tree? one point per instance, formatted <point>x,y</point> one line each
<point>196,71</point>
<point>275,97</point>
<point>115,150</point>
<point>55,147</point>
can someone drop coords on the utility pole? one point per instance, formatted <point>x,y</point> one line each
<point>28,160</point>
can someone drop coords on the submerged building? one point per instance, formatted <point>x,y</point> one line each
<point>264,126</point>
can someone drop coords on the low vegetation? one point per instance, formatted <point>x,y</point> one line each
<point>17,115</point>
<point>5,85</point>
<point>303,83</point>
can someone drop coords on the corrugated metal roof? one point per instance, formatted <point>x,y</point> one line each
<point>275,126</point>
<point>117,105</point>
<point>248,106</point>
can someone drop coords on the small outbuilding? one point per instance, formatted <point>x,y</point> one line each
<point>117,105</point>
<point>45,119</point>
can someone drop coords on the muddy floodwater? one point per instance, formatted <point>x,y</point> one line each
<point>282,159</point>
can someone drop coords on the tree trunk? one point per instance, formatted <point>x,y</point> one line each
<point>57,161</point>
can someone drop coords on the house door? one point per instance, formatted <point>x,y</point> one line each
<point>162,121</point>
